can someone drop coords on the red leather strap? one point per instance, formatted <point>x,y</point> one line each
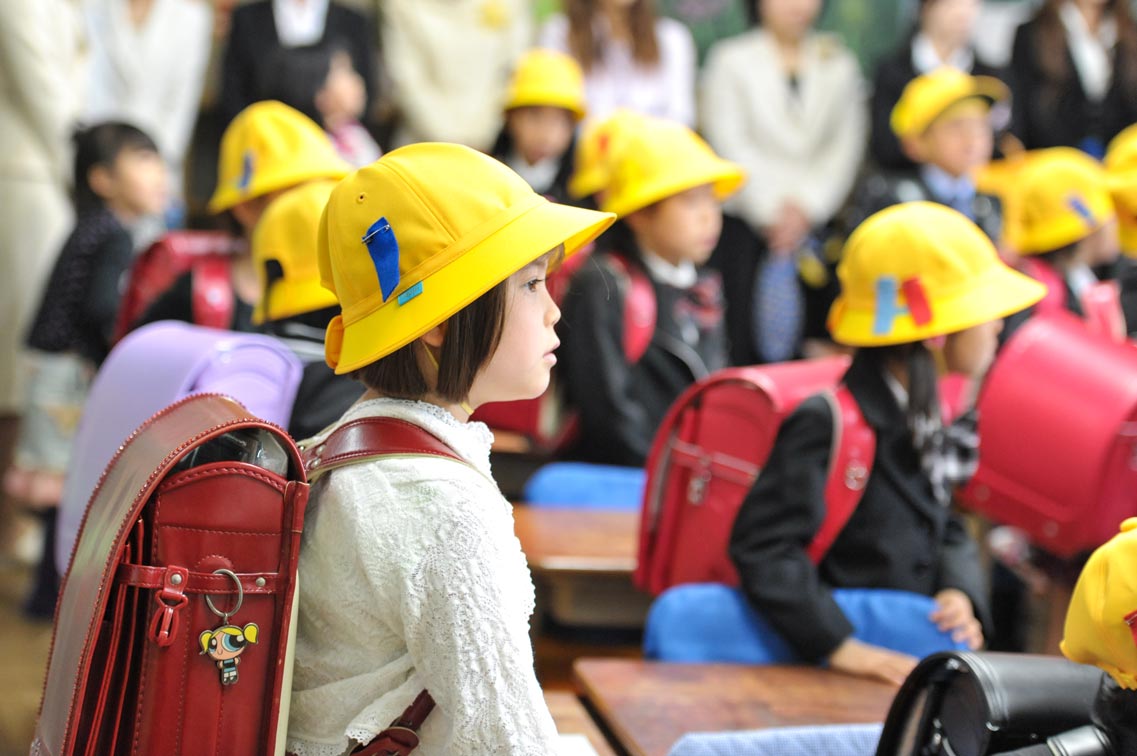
<point>145,576</point>
<point>850,463</point>
<point>1102,305</point>
<point>213,297</point>
<point>640,308</point>
<point>402,736</point>
<point>370,438</point>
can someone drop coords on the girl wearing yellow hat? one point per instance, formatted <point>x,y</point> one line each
<point>412,576</point>
<point>666,185</point>
<point>916,278</point>
<point>544,103</point>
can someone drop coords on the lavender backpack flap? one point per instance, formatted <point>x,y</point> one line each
<point>156,366</point>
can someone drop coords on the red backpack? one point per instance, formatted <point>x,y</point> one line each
<point>1101,302</point>
<point>206,253</point>
<point>710,449</point>
<point>543,421</point>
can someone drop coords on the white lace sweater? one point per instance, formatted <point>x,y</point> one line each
<point>411,577</point>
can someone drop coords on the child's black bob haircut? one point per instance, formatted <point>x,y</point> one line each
<point>100,145</point>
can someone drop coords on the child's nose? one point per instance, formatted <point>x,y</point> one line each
<point>553,314</point>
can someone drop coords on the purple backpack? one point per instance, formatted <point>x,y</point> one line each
<point>153,367</point>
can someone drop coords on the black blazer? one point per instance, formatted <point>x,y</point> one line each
<point>1049,113</point>
<point>892,75</point>
<point>252,41</point>
<point>899,537</point>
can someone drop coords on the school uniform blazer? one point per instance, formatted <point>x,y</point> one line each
<point>892,75</point>
<point>804,147</point>
<point>622,405</point>
<point>253,38</point>
<point>899,537</point>
<point>1049,113</point>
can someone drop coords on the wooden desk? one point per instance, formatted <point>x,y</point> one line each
<point>582,563</point>
<point>648,706</point>
<point>572,719</point>
<point>573,540</point>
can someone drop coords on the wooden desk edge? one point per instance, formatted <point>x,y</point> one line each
<point>567,709</point>
<point>623,737</point>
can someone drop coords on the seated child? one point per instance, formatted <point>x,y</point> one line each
<point>412,577</point>
<point>120,179</point>
<point>939,303</point>
<point>666,186</point>
<point>544,103</point>
<point>1062,226</point>
<point>296,308</point>
<point>943,121</point>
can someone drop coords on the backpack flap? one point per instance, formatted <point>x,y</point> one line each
<point>173,618</point>
<point>973,704</point>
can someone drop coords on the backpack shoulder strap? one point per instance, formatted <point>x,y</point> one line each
<point>1102,306</point>
<point>640,310</point>
<point>213,297</point>
<point>850,463</point>
<point>371,438</point>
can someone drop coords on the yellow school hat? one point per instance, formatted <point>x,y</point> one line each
<point>1101,622</point>
<point>919,270</point>
<point>547,77</point>
<point>662,159</point>
<point>599,144</point>
<point>287,233</point>
<point>1121,172</point>
<point>270,146</point>
<point>929,96</point>
<point>421,233</point>
<point>1062,197</point>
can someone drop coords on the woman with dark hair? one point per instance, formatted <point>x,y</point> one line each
<point>631,57</point>
<point>942,37</point>
<point>1074,74</point>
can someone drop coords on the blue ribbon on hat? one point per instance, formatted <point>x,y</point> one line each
<point>384,250</point>
<point>246,176</point>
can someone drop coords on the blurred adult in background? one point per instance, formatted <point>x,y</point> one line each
<point>258,29</point>
<point>942,37</point>
<point>41,57</point>
<point>1074,74</point>
<point>148,63</point>
<point>449,64</point>
<point>631,57</point>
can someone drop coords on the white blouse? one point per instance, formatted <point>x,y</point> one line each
<point>803,144</point>
<point>666,90</point>
<point>411,577</point>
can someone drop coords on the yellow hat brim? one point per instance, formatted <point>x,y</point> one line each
<point>726,178</point>
<point>998,293</point>
<point>228,197</point>
<point>288,298</point>
<point>541,228</point>
<point>549,99</point>
<point>913,121</point>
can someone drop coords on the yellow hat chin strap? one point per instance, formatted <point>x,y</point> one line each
<point>434,361</point>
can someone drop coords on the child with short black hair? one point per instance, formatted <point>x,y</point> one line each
<point>120,179</point>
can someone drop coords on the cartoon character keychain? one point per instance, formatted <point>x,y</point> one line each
<point>225,644</point>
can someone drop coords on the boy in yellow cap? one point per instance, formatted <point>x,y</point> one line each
<point>666,186</point>
<point>921,285</point>
<point>295,307</point>
<point>267,149</point>
<point>945,123</point>
<point>543,106</point>
<point>413,578</point>
<point>601,140</point>
<point>1101,629</point>
<point>1061,222</point>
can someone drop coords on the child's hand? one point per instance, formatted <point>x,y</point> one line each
<point>955,614</point>
<point>864,660</point>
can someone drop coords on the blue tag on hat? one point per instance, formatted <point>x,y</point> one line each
<point>1079,206</point>
<point>384,251</point>
<point>246,176</point>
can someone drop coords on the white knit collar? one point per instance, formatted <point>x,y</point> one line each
<point>471,440</point>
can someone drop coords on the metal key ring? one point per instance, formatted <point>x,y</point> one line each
<point>240,596</point>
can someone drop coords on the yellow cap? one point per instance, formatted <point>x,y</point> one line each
<point>418,235</point>
<point>919,270</point>
<point>661,159</point>
<point>928,97</point>
<point>1101,623</point>
<point>1121,170</point>
<point>599,144</point>
<point>550,78</point>
<point>270,146</point>
<point>287,233</point>
<point>1062,196</point>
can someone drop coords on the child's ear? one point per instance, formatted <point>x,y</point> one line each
<point>914,149</point>
<point>435,336</point>
<point>101,182</point>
